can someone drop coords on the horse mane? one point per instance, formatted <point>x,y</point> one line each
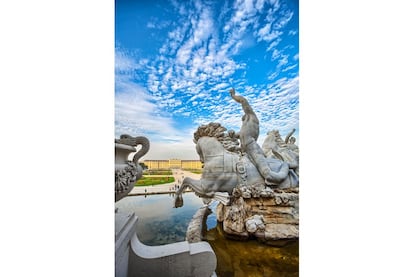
<point>215,130</point>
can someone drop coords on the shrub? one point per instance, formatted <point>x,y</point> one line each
<point>149,181</point>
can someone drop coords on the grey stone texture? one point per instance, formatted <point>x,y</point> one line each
<point>258,187</point>
<point>128,172</point>
<point>197,226</point>
<point>232,159</point>
<point>180,259</point>
<point>267,216</point>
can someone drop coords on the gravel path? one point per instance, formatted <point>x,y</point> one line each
<point>178,174</point>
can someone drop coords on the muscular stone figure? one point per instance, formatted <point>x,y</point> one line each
<point>290,142</point>
<point>249,132</point>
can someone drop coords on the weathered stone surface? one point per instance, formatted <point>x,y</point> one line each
<point>220,212</point>
<point>270,218</point>
<point>281,231</point>
<point>234,217</point>
<point>197,226</point>
<point>263,182</point>
<point>235,159</point>
<point>255,223</point>
<point>128,172</point>
<point>275,147</point>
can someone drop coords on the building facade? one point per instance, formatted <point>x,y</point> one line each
<point>173,163</point>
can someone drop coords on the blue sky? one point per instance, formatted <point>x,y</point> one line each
<point>175,62</point>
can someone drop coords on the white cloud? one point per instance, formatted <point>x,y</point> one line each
<point>135,114</point>
<point>293,32</point>
<point>186,78</point>
<point>259,5</point>
<point>273,107</point>
<point>289,67</point>
<point>197,57</point>
<point>220,87</point>
<point>264,31</point>
<point>151,25</point>
<point>124,64</point>
<point>139,113</point>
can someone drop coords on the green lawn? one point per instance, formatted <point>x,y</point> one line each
<point>157,172</point>
<point>196,171</point>
<point>148,181</point>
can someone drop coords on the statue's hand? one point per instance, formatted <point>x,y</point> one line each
<point>232,91</point>
<point>233,134</point>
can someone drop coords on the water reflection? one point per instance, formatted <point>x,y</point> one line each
<point>159,223</point>
<point>251,258</point>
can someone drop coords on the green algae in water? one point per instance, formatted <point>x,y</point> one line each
<point>252,258</point>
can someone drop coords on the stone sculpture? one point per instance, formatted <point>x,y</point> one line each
<point>290,142</point>
<point>226,164</point>
<point>262,183</point>
<point>275,147</point>
<point>224,170</point>
<point>128,172</point>
<point>249,132</point>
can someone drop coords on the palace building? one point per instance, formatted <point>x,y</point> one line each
<point>173,163</point>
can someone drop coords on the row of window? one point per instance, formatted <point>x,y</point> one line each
<point>168,164</point>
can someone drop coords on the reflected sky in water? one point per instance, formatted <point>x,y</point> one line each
<point>158,221</point>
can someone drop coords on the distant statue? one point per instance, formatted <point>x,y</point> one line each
<point>224,167</point>
<point>275,147</point>
<point>248,134</point>
<point>290,141</point>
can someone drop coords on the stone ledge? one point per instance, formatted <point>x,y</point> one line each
<point>278,213</point>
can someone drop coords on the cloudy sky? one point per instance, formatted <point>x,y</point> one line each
<point>175,62</point>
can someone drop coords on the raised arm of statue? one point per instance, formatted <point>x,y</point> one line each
<point>240,99</point>
<point>289,135</point>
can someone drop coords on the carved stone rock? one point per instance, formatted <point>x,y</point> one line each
<point>268,215</point>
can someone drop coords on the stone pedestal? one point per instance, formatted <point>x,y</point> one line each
<point>272,216</point>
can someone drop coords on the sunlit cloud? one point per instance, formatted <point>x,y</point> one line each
<point>199,59</point>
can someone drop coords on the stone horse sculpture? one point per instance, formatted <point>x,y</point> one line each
<point>225,167</point>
